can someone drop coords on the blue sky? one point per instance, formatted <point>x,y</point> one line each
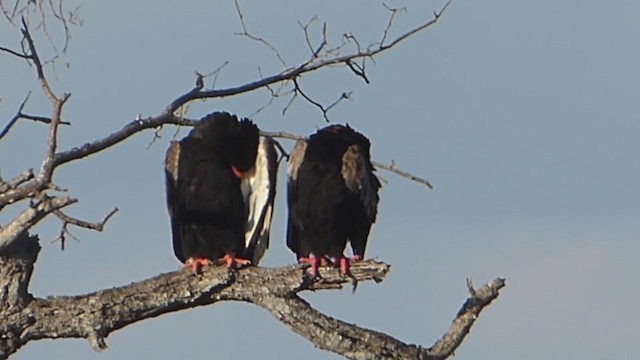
<point>524,116</point>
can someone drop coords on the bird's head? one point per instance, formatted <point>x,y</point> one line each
<point>242,146</point>
<point>236,141</point>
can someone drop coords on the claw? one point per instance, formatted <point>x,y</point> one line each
<point>195,264</point>
<point>345,263</point>
<point>314,262</point>
<point>230,261</point>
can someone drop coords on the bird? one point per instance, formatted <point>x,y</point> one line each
<point>220,185</point>
<point>332,197</point>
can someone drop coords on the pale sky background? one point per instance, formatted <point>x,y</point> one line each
<point>525,116</point>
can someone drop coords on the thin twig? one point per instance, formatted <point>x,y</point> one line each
<point>292,73</point>
<point>283,152</point>
<point>256,37</point>
<point>358,70</point>
<point>156,136</point>
<point>14,53</point>
<point>393,11</point>
<point>215,73</point>
<point>33,56</point>
<point>68,220</point>
<point>42,119</point>
<point>436,16</point>
<point>282,135</point>
<point>15,117</point>
<point>290,102</point>
<point>325,110</point>
<point>392,168</point>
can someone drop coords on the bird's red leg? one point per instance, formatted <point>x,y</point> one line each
<point>314,262</point>
<point>195,263</point>
<point>230,260</point>
<point>345,263</point>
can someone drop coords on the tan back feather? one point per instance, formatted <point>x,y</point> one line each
<point>295,158</point>
<point>358,178</point>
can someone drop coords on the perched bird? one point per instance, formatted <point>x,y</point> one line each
<point>220,182</point>
<point>332,195</point>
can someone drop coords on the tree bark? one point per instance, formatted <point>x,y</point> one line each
<point>95,315</point>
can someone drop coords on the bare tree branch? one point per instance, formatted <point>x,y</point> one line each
<point>465,318</point>
<point>355,342</point>
<point>293,73</point>
<point>125,132</point>
<point>15,117</point>
<point>16,181</point>
<point>325,110</point>
<point>30,217</point>
<point>87,149</point>
<point>94,316</point>
<point>168,116</point>
<point>68,220</point>
<point>14,53</point>
<point>41,119</point>
<point>35,58</point>
<point>215,73</point>
<point>393,11</point>
<point>21,115</point>
<point>391,168</point>
<point>256,37</point>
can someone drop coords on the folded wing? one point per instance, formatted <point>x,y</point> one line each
<point>295,160</point>
<point>259,189</point>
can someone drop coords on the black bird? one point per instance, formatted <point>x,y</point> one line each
<point>332,196</point>
<point>220,182</point>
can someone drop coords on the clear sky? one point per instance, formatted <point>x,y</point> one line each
<point>524,115</point>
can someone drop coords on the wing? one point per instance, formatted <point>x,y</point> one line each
<point>258,191</point>
<point>295,160</point>
<point>359,178</point>
<point>172,176</point>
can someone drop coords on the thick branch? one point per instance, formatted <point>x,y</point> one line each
<point>94,316</point>
<point>131,128</point>
<point>16,181</point>
<point>30,217</point>
<point>90,148</point>
<point>334,335</point>
<point>355,342</point>
<point>466,317</point>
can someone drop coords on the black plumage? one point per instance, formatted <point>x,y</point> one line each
<point>209,176</point>
<point>332,196</point>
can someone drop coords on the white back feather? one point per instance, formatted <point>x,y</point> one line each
<point>258,191</point>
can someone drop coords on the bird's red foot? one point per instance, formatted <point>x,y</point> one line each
<point>195,263</point>
<point>314,262</point>
<point>345,264</point>
<point>230,260</point>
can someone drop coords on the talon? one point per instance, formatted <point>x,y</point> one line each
<point>195,264</point>
<point>230,260</point>
<point>345,264</point>
<point>314,262</point>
